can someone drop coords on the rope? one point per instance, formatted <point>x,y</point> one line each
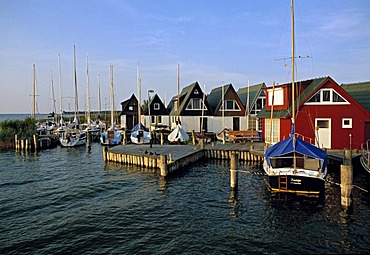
<point>355,186</point>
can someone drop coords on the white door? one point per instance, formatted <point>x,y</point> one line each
<point>323,133</point>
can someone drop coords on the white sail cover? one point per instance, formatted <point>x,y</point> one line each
<point>178,135</point>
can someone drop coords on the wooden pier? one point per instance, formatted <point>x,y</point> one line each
<point>170,158</point>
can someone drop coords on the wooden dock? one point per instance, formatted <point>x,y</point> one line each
<point>170,158</point>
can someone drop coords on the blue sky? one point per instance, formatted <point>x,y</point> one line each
<point>215,42</point>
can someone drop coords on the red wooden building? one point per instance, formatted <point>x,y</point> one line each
<point>326,115</point>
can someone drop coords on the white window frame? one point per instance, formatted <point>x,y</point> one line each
<point>330,101</point>
<point>190,105</point>
<point>235,106</point>
<point>278,96</point>
<point>347,125</point>
<point>156,106</point>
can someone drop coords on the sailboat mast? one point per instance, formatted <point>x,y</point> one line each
<point>75,81</point>
<point>139,92</point>
<point>247,106</point>
<point>52,92</point>
<point>178,93</point>
<point>88,119</point>
<point>99,96</point>
<point>293,66</point>
<point>293,91</point>
<point>33,109</point>
<point>111,97</point>
<point>60,89</point>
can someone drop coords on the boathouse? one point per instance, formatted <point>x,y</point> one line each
<point>326,115</point>
<point>228,110</point>
<point>254,100</point>
<point>155,112</point>
<point>129,114</point>
<point>361,93</point>
<point>191,107</point>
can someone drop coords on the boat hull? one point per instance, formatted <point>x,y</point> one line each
<point>296,184</point>
<point>72,138</point>
<point>140,137</point>
<point>72,142</point>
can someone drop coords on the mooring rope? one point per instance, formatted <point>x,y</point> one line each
<point>355,186</point>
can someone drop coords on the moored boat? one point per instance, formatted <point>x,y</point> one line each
<point>72,137</point>
<point>178,135</point>
<point>140,134</point>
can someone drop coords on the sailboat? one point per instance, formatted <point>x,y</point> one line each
<point>73,136</point>
<point>139,133</point>
<point>293,165</point>
<point>111,137</point>
<point>365,157</point>
<point>178,135</point>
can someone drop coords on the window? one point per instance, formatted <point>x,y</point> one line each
<point>130,108</point>
<point>278,96</point>
<point>346,123</point>
<point>258,106</point>
<point>326,96</point>
<point>231,105</point>
<point>195,104</point>
<point>272,132</point>
<point>156,106</point>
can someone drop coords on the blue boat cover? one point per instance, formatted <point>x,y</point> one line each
<point>139,126</point>
<point>286,147</point>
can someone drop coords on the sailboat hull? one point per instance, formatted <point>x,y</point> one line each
<point>296,184</point>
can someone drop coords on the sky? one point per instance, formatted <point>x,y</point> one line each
<point>214,42</point>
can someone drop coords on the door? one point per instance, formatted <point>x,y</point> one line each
<point>323,133</point>
<point>236,123</point>
<point>203,125</point>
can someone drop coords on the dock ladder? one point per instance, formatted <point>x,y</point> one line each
<point>283,182</point>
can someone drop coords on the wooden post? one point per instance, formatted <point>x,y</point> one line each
<point>162,139</point>
<point>35,142</point>
<point>193,136</point>
<point>234,165</point>
<point>201,142</point>
<point>124,140</point>
<point>16,142</point>
<point>163,165</point>
<point>346,180</point>
<point>223,136</point>
<point>105,152</point>
<point>88,139</point>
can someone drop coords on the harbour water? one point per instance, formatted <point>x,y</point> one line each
<point>67,201</point>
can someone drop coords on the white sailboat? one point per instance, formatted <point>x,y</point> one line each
<point>111,136</point>
<point>73,136</point>
<point>178,135</point>
<point>139,133</point>
<point>293,165</point>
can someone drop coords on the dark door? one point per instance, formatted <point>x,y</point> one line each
<point>203,125</point>
<point>367,131</point>
<point>236,124</point>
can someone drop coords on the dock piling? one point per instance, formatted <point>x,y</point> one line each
<point>163,165</point>
<point>234,165</point>
<point>346,178</point>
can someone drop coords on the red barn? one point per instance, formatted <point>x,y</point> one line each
<point>326,115</point>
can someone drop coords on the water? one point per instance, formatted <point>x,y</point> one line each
<point>67,201</point>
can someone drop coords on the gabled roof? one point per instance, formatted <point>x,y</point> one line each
<point>307,88</point>
<point>162,109</point>
<point>186,94</point>
<point>254,93</point>
<point>127,102</point>
<point>360,92</point>
<point>132,101</point>
<point>215,98</point>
